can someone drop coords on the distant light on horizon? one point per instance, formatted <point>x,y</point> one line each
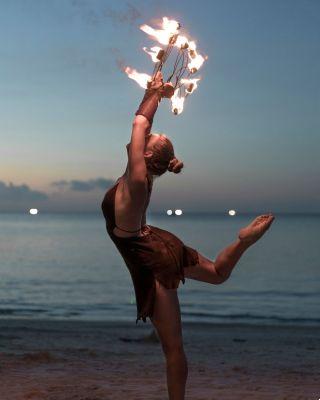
<point>169,212</point>
<point>178,212</point>
<point>33,211</point>
<point>232,212</point>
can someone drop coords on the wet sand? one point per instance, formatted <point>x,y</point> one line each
<point>76,360</point>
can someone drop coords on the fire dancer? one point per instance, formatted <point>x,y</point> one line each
<point>157,259</point>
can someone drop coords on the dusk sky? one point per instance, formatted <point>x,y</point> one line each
<point>249,136</point>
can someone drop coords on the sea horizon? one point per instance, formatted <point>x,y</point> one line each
<point>164,213</point>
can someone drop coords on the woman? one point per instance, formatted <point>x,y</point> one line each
<point>157,259</point>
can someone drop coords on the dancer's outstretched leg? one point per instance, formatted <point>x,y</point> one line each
<point>218,270</point>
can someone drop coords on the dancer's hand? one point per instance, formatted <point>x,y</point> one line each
<point>157,81</point>
<point>165,89</point>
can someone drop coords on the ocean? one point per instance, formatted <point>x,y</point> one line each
<point>64,266</point>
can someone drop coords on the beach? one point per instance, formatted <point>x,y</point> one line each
<point>92,360</point>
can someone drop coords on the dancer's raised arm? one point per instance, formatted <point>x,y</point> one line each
<point>136,163</point>
<point>141,127</point>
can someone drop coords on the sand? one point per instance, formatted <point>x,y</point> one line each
<point>76,360</point>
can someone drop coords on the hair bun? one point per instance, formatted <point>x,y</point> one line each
<point>175,165</point>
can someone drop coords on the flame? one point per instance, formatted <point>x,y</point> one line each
<point>170,25</point>
<point>141,79</point>
<point>192,45</point>
<point>191,84</point>
<point>182,41</point>
<point>195,63</point>
<point>196,60</point>
<point>169,28</point>
<point>153,53</point>
<point>177,103</point>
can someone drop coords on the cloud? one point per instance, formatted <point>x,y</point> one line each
<point>19,197</point>
<point>84,186</point>
<point>72,195</point>
<point>129,16</point>
<point>19,193</point>
<point>120,61</point>
<point>95,16</point>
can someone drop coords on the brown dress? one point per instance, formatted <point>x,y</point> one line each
<point>157,253</point>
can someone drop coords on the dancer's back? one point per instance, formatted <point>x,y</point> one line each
<point>124,213</point>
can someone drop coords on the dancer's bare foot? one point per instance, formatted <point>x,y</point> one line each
<point>253,232</point>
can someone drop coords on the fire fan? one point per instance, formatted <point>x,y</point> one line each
<point>186,63</point>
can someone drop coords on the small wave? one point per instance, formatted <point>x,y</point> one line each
<point>19,311</point>
<point>252,317</point>
<point>260,293</point>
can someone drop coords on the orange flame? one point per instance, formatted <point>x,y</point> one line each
<point>153,53</point>
<point>170,25</point>
<point>140,78</point>
<point>182,41</point>
<point>191,84</point>
<point>195,63</point>
<point>196,60</point>
<point>169,28</point>
<point>177,103</point>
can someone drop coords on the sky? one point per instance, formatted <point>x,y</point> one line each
<point>249,136</point>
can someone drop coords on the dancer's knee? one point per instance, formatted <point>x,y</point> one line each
<point>222,274</point>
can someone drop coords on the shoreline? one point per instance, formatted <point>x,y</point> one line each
<point>53,320</point>
<point>102,360</point>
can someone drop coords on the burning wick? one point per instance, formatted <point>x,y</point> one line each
<point>232,213</point>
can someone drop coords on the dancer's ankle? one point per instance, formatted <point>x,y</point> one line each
<point>243,244</point>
